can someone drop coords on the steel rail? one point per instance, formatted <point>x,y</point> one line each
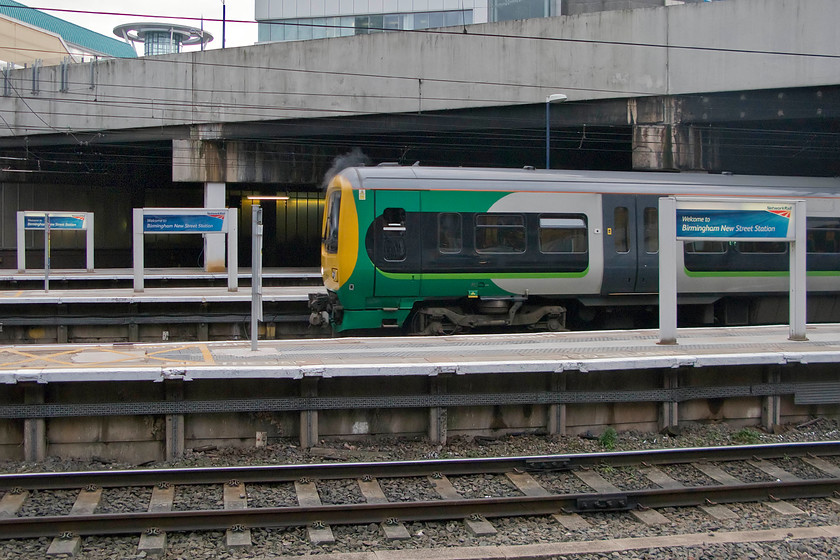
<point>392,469</point>
<point>355,514</point>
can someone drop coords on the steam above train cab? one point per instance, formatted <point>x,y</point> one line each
<point>442,250</point>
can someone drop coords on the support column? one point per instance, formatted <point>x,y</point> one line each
<point>309,418</point>
<point>437,414</point>
<point>660,141</point>
<point>215,196</point>
<point>557,412</point>
<point>175,426</point>
<point>669,415</point>
<point>34,429</point>
<point>771,407</point>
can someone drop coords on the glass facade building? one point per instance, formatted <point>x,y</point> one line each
<point>296,20</point>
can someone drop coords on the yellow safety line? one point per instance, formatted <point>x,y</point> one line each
<point>32,357</point>
<point>208,356</point>
<point>36,360</point>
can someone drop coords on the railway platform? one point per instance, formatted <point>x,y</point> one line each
<point>584,352</point>
<point>176,304</point>
<point>136,402</point>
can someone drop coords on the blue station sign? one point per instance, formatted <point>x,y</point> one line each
<point>200,221</point>
<point>57,221</point>
<point>739,220</point>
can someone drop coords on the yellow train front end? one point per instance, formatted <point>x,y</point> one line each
<point>339,252</point>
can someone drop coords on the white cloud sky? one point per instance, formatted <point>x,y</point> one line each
<point>97,15</point>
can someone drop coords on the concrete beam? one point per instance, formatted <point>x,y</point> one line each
<point>689,49</point>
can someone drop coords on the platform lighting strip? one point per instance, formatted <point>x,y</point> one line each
<point>267,197</point>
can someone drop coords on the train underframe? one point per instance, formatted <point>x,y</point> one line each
<point>440,316</point>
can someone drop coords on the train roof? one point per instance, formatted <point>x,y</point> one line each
<point>619,182</point>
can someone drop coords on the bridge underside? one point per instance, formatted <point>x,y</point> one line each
<point>788,132</point>
<point>772,132</point>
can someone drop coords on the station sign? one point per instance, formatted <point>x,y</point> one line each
<point>724,220</point>
<point>184,221</point>
<point>36,221</point>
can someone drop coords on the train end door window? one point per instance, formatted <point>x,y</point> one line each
<point>563,233</point>
<point>330,233</point>
<point>393,235</point>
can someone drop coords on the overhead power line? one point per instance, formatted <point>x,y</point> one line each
<point>459,32</point>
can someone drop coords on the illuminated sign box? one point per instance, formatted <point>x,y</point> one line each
<point>723,221</point>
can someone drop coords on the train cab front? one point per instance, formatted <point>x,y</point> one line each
<point>339,250</point>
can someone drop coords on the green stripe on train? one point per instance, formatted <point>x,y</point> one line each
<point>474,278</point>
<point>754,273</point>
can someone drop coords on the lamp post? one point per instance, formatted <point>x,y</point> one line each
<point>553,98</point>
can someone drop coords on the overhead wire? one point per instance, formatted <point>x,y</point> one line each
<point>243,111</point>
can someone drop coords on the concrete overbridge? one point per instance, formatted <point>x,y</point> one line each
<point>744,86</point>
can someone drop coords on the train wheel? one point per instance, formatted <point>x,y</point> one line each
<point>555,324</point>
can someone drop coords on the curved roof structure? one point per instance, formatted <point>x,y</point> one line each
<point>73,35</point>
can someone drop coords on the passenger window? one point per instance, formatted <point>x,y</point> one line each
<point>393,234</point>
<point>823,235</point>
<point>761,246</point>
<point>449,233</point>
<point>500,233</point>
<point>563,233</point>
<point>651,220</point>
<point>620,224</point>
<point>705,247</point>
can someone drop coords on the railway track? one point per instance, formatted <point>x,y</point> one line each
<point>391,494</point>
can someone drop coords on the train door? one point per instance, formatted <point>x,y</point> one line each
<point>396,242</point>
<point>619,244</point>
<point>631,244</point>
<point>647,236</point>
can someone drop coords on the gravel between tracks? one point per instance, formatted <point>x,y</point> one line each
<point>272,543</point>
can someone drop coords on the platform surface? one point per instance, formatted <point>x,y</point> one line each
<point>420,355</point>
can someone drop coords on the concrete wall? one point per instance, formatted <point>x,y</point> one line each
<point>719,46</point>
<point>146,437</point>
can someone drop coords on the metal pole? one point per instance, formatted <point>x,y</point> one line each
<point>547,135</point>
<point>256,273</point>
<point>553,98</point>
<point>798,273</point>
<point>668,270</point>
<point>46,251</point>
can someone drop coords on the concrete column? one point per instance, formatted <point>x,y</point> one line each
<point>557,412</point>
<point>669,415</point>
<point>771,407</point>
<point>437,414</point>
<point>666,147</point>
<point>660,141</point>
<point>309,418</point>
<point>215,196</point>
<point>34,429</point>
<point>175,425</point>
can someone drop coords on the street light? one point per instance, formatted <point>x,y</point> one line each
<point>553,98</point>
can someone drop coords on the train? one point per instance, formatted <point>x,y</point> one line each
<point>434,250</point>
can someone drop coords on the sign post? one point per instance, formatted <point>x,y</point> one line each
<point>48,221</point>
<point>730,219</point>
<point>256,273</point>
<point>183,221</point>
